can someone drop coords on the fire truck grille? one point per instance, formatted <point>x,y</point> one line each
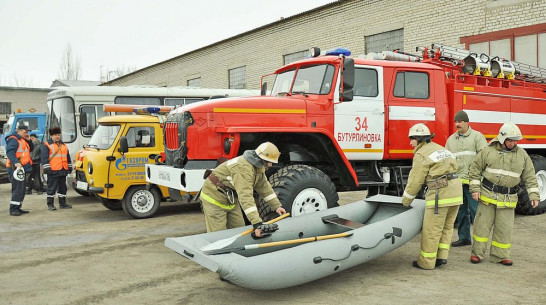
<point>171,135</point>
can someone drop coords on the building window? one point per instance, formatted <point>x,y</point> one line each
<point>292,57</point>
<point>525,45</point>
<point>194,82</point>
<point>386,41</point>
<point>412,85</point>
<point>237,78</point>
<point>5,108</point>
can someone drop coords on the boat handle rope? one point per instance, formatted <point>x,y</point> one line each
<point>396,232</point>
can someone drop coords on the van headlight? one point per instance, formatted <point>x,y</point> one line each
<point>90,168</point>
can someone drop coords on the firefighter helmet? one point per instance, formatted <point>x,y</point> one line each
<point>509,131</point>
<point>419,130</point>
<point>269,152</point>
<point>19,174</point>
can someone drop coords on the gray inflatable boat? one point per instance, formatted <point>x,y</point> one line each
<point>307,247</point>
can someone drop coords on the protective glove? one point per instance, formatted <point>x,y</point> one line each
<point>265,229</point>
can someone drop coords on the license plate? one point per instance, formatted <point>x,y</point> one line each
<point>81,185</point>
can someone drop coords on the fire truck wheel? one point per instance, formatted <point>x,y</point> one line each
<point>111,204</point>
<point>301,189</point>
<point>140,202</point>
<point>524,204</point>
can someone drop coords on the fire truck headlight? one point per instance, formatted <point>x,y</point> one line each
<point>90,168</point>
<point>227,146</point>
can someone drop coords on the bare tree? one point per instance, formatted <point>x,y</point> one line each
<point>17,81</point>
<point>122,70</point>
<point>70,65</point>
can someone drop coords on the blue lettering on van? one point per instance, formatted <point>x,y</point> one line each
<point>124,163</point>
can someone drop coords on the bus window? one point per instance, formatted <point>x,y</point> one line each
<point>137,100</point>
<point>174,101</point>
<point>63,116</point>
<point>92,114</point>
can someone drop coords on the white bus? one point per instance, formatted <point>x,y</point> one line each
<point>66,105</point>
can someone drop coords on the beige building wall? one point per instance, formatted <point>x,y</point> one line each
<point>26,99</point>
<point>343,23</point>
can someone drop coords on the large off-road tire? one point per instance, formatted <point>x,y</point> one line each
<point>524,204</point>
<point>301,189</point>
<point>140,202</point>
<point>111,204</point>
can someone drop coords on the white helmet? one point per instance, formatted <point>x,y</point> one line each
<point>509,131</point>
<point>419,130</point>
<point>269,152</point>
<point>19,174</point>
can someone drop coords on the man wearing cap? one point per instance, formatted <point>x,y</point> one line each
<point>34,179</point>
<point>465,143</point>
<point>18,147</point>
<point>495,176</point>
<point>57,165</point>
<point>230,187</point>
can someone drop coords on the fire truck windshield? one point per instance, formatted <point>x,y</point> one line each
<point>309,79</point>
<point>104,136</point>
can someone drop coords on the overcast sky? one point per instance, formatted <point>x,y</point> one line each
<point>120,33</point>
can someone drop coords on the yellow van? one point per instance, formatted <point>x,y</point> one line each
<point>112,168</point>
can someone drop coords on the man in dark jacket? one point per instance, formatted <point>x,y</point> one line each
<point>18,147</point>
<point>57,165</point>
<point>34,180</point>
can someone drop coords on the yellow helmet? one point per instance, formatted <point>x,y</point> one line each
<point>509,131</point>
<point>269,152</point>
<point>419,130</point>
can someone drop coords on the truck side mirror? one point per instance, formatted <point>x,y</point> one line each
<point>348,74</point>
<point>83,120</point>
<point>263,90</point>
<point>123,145</point>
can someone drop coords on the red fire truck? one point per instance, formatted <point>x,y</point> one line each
<point>342,123</point>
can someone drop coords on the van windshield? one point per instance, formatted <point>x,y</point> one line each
<point>104,136</point>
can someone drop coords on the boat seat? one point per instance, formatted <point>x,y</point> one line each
<point>334,219</point>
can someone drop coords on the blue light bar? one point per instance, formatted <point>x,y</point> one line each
<point>145,110</point>
<point>338,51</point>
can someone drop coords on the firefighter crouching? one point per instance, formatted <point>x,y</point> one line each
<point>18,147</point>
<point>230,188</point>
<point>437,167</point>
<point>495,176</point>
<point>57,165</point>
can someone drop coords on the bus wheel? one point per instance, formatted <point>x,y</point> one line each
<point>111,204</point>
<point>140,202</point>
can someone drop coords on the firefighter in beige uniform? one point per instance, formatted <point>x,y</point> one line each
<point>495,176</point>
<point>231,187</point>
<point>437,167</point>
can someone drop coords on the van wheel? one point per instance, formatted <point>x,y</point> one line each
<point>111,204</point>
<point>140,202</point>
<point>524,204</point>
<point>301,189</point>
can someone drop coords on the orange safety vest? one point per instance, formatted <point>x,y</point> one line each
<point>22,153</point>
<point>58,156</point>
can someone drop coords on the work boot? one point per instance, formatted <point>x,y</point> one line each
<point>474,259</point>
<point>15,212</point>
<point>440,262</point>
<point>24,211</point>
<point>51,207</point>
<point>65,206</point>
<point>28,192</point>
<point>416,265</point>
<point>507,262</point>
<point>461,242</point>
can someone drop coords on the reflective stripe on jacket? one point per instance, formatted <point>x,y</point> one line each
<point>22,153</point>
<point>465,147</point>
<point>503,168</point>
<point>429,162</point>
<point>243,177</point>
